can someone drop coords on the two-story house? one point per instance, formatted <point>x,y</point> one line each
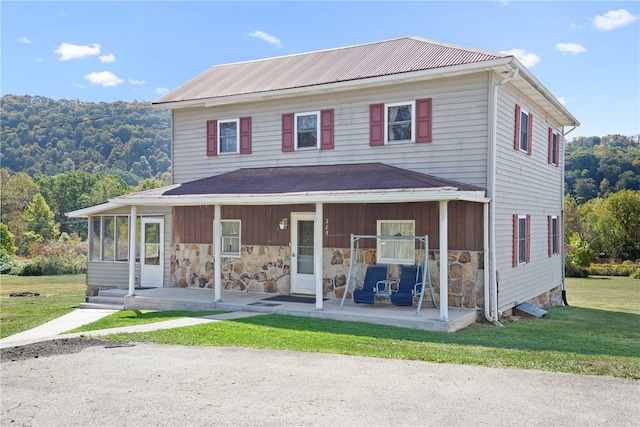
<point>277,162</point>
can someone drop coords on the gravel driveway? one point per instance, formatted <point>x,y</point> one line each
<point>152,384</point>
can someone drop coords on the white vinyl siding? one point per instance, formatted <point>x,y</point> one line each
<point>525,184</point>
<point>116,274</point>
<point>457,151</point>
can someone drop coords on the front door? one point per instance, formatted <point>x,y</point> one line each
<point>152,253</point>
<point>303,279</point>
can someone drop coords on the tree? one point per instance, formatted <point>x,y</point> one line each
<point>17,193</point>
<point>7,240</point>
<point>39,219</point>
<point>623,208</point>
<point>107,187</point>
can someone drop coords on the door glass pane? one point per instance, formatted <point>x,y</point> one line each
<point>152,254</point>
<point>305,247</point>
<point>151,234</point>
<point>152,244</point>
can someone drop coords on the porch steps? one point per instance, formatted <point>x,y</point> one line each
<point>107,299</point>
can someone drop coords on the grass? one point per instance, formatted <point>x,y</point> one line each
<point>139,317</point>
<point>584,338</point>
<point>59,295</point>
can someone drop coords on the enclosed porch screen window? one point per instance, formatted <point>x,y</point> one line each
<point>109,238</point>
<point>230,238</point>
<point>395,251</point>
<point>399,119</point>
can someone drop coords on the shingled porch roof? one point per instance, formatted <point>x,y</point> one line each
<point>371,182</point>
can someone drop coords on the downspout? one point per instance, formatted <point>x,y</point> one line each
<point>562,248</point>
<point>491,311</point>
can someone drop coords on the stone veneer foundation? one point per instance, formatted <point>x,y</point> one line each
<point>266,269</point>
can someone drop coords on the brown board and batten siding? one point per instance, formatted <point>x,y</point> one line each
<point>194,224</point>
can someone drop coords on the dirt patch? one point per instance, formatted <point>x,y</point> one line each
<point>54,347</point>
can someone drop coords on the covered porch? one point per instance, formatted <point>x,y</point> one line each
<point>379,314</point>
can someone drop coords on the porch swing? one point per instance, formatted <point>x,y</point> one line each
<point>407,289</point>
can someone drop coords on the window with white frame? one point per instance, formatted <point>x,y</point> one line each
<point>555,236</point>
<point>109,238</point>
<point>306,130</point>
<point>391,250</point>
<point>228,136</point>
<point>399,119</point>
<point>554,153</point>
<point>522,239</point>
<point>524,130</point>
<point>230,238</point>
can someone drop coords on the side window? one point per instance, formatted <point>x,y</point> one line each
<point>523,130</point>
<point>391,250</point>
<point>307,133</point>
<point>230,238</point>
<point>109,238</point>
<point>521,239</point>
<point>554,148</point>
<point>554,235</point>
<point>398,122</point>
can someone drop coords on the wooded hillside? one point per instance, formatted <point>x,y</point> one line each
<point>45,136</point>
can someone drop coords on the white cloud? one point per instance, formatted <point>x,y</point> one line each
<point>613,19</point>
<point>76,84</point>
<point>572,48</point>
<point>107,58</point>
<point>24,40</point>
<point>104,78</point>
<point>267,37</point>
<point>161,90</point>
<point>527,59</point>
<point>562,101</point>
<point>69,51</point>
<point>136,82</point>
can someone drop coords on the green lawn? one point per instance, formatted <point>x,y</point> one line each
<point>59,295</point>
<point>584,338</point>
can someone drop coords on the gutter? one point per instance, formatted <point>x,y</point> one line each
<point>562,248</point>
<point>491,312</point>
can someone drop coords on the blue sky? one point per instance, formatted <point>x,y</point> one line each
<point>587,53</point>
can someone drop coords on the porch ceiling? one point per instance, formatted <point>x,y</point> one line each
<point>367,182</point>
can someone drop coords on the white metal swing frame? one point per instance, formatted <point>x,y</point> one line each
<point>426,276</point>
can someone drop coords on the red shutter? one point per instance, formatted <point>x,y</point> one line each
<point>376,124</point>
<point>558,150</point>
<point>423,120</point>
<point>558,241</point>
<point>516,138</point>
<point>326,129</point>
<point>212,137</point>
<point>515,240</point>
<point>550,154</point>
<point>550,225</point>
<point>245,135</point>
<point>287,132</point>
<point>528,252</point>
<point>530,134</point>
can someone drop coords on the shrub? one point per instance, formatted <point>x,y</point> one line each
<point>636,274</point>
<point>575,271</point>
<point>7,262</point>
<point>611,269</point>
<point>67,255</point>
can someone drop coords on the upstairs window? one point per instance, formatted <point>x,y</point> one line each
<point>523,138</point>
<point>392,250</point>
<point>521,239</point>
<point>399,118</point>
<point>228,136</point>
<point>398,122</point>
<point>306,130</point>
<point>554,148</point>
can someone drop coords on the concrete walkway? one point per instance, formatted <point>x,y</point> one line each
<point>55,328</point>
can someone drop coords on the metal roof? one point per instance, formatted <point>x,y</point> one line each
<point>384,58</point>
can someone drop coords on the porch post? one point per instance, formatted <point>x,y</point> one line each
<point>444,261</point>
<point>317,250</point>
<point>132,250</point>
<point>217,248</point>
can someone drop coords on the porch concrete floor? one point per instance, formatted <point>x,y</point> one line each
<point>381,313</point>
